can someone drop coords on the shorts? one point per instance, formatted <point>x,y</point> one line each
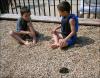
<point>72,40</point>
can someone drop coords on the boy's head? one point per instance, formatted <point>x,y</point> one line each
<point>25,13</point>
<point>64,8</point>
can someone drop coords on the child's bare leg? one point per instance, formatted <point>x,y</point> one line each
<point>56,40</point>
<point>16,36</point>
<point>63,45</point>
<point>33,35</point>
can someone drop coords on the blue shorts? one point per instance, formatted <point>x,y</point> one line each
<point>72,40</point>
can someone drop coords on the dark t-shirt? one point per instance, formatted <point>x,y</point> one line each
<point>65,25</point>
<point>22,25</point>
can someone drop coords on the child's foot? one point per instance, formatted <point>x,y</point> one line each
<point>26,43</point>
<point>54,46</point>
<point>34,42</point>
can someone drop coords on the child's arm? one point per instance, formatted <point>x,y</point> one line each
<point>31,28</point>
<point>23,32</point>
<point>55,29</point>
<point>72,26</point>
<point>32,32</point>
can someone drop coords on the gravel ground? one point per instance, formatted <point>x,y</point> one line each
<point>40,61</point>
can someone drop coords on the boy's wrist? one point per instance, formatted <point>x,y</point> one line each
<point>66,39</point>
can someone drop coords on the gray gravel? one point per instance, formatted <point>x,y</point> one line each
<point>40,61</point>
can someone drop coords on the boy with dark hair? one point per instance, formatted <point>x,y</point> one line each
<point>69,27</point>
<point>24,28</point>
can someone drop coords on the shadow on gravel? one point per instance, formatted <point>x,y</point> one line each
<point>83,41</point>
<point>80,42</point>
<point>42,37</point>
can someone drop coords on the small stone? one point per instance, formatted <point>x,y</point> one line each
<point>64,70</point>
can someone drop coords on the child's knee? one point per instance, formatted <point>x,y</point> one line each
<point>13,33</point>
<point>32,34</point>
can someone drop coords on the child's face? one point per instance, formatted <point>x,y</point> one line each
<point>63,13</point>
<point>26,16</point>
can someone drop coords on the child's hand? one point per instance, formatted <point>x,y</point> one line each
<point>53,31</point>
<point>62,42</point>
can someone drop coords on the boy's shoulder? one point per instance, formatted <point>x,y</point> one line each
<point>19,20</point>
<point>72,16</point>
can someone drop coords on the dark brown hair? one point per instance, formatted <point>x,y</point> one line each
<point>64,6</point>
<point>24,10</point>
